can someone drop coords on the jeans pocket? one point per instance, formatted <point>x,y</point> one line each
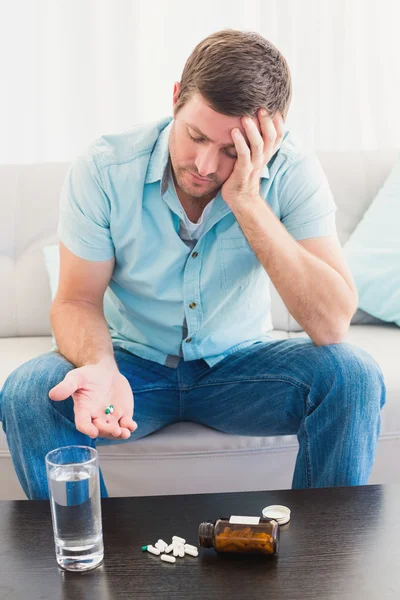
<point>239,265</point>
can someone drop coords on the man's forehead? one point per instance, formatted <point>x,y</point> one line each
<point>213,126</point>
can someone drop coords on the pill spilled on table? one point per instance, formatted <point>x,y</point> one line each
<point>178,547</point>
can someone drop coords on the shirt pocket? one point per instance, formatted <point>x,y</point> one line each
<point>239,265</point>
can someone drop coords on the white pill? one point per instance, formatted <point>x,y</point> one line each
<point>153,550</point>
<point>169,549</point>
<point>191,552</point>
<point>176,538</point>
<point>176,551</point>
<point>181,552</point>
<point>190,547</point>
<point>161,545</point>
<point>168,558</point>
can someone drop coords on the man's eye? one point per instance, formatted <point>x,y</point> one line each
<point>198,140</point>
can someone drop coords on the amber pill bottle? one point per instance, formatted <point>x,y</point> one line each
<point>243,535</point>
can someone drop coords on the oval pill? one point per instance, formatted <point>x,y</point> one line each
<point>190,547</point>
<point>169,548</point>
<point>176,551</point>
<point>153,550</point>
<point>181,552</point>
<point>192,552</point>
<point>160,546</point>
<point>168,558</point>
<point>176,538</point>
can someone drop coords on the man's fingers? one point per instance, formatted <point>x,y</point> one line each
<point>66,387</point>
<point>116,430</point>
<point>111,429</point>
<point>125,433</point>
<point>83,423</point>
<point>107,430</point>
<point>128,423</point>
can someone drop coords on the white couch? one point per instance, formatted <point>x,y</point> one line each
<point>185,457</point>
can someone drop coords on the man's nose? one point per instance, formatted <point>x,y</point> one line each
<point>207,163</point>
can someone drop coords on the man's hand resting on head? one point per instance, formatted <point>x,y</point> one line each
<point>93,388</point>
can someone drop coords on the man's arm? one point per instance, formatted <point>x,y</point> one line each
<point>311,276</point>
<point>83,337</point>
<point>321,297</point>
<point>76,314</point>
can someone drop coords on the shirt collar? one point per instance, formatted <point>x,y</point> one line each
<point>160,157</point>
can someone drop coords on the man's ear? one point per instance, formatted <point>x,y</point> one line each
<point>175,96</point>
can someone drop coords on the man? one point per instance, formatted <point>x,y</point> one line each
<point>169,236</point>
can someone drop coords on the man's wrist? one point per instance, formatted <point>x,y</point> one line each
<point>250,208</point>
<point>107,362</point>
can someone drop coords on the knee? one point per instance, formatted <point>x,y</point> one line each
<point>26,389</point>
<point>357,373</point>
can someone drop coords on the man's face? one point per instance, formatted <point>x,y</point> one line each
<point>212,159</point>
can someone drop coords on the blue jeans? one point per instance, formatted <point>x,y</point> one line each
<point>329,396</point>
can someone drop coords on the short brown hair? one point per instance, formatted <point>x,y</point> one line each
<point>237,72</point>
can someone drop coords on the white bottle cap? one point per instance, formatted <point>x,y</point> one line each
<point>278,512</point>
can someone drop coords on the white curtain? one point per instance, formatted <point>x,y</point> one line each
<point>72,70</point>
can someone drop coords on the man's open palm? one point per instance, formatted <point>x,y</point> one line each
<point>93,388</point>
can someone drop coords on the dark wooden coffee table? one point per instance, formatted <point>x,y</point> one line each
<point>341,543</point>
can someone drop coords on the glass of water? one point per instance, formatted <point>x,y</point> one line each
<point>74,487</point>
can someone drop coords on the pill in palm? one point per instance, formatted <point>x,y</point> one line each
<point>168,558</point>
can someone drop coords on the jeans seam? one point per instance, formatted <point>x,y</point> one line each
<point>307,447</point>
<point>156,388</point>
<point>178,375</point>
<point>283,379</point>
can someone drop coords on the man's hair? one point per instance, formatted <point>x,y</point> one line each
<point>237,72</point>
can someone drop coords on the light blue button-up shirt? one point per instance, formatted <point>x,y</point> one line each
<point>117,200</point>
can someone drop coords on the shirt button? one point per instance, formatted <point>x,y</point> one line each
<point>192,305</point>
<point>188,340</point>
<point>195,254</point>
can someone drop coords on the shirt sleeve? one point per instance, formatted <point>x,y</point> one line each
<point>84,221</point>
<point>307,205</point>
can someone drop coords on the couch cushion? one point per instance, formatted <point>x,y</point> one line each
<point>373,252</point>
<point>29,199</point>
<point>16,351</point>
<point>355,178</point>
